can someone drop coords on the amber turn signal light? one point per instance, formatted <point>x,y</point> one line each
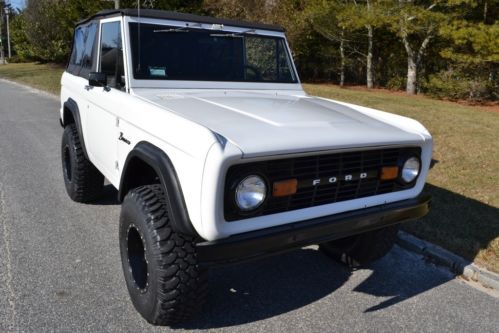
<point>389,173</point>
<point>285,187</point>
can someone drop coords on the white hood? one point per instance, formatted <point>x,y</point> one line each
<point>270,123</point>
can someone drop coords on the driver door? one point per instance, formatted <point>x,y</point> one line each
<point>106,102</point>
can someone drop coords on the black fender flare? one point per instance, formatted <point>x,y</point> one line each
<point>71,105</point>
<point>163,166</point>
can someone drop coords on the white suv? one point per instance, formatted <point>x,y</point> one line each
<point>220,156</point>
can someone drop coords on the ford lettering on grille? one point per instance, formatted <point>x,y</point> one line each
<point>334,179</point>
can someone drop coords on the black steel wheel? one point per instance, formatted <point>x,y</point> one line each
<point>165,283</point>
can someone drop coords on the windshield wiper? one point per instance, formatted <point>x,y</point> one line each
<point>234,34</point>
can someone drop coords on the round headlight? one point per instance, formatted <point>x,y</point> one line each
<point>411,168</point>
<point>250,192</point>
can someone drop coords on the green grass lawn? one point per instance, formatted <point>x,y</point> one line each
<point>41,76</point>
<point>463,182</point>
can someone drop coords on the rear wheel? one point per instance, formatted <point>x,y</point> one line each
<point>83,181</point>
<point>160,265</point>
<point>361,249</point>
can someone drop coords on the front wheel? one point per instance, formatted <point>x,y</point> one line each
<point>362,249</point>
<point>160,265</point>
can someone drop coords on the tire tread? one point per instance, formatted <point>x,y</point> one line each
<point>182,284</point>
<point>87,182</point>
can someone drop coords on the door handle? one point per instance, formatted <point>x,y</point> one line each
<point>88,88</point>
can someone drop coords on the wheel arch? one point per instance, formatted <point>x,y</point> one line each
<point>144,159</point>
<point>71,115</point>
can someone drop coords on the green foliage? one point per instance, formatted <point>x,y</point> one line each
<point>43,30</point>
<point>471,48</point>
<point>15,59</point>
<point>455,85</point>
<point>396,83</point>
<point>471,42</point>
<point>454,43</point>
<point>22,46</point>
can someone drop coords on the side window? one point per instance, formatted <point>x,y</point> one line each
<point>81,61</point>
<point>87,54</point>
<point>77,53</point>
<point>111,59</point>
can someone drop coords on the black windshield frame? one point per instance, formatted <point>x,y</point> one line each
<point>190,61</point>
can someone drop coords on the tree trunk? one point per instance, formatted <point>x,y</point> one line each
<point>412,67</point>
<point>2,56</point>
<point>485,8</point>
<point>342,55</point>
<point>369,60</point>
<point>412,72</point>
<point>414,57</point>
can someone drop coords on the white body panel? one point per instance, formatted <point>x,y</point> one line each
<point>213,125</point>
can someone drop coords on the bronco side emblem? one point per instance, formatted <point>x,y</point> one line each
<point>121,138</point>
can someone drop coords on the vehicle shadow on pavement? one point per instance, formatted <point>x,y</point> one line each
<point>395,280</point>
<point>265,288</point>
<point>109,197</point>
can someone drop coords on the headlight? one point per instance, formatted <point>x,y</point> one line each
<point>251,192</point>
<point>411,168</point>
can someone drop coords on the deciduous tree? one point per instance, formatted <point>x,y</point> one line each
<point>415,22</point>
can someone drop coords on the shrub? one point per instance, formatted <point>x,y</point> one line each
<point>15,59</point>
<point>396,83</point>
<point>454,85</point>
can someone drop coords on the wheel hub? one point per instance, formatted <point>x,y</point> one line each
<point>137,258</point>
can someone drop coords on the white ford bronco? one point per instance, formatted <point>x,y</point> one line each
<point>219,156</point>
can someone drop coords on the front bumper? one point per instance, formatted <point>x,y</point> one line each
<point>255,244</point>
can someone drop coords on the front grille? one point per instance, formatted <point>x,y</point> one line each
<point>307,169</point>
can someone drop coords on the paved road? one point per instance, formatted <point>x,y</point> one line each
<point>60,268</point>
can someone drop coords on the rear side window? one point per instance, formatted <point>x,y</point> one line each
<point>82,57</point>
<point>78,45</point>
<point>111,59</point>
<point>88,50</point>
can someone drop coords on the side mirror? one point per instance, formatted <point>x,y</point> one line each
<point>97,79</point>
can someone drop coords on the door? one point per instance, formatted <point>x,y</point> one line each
<point>106,102</point>
<point>81,63</point>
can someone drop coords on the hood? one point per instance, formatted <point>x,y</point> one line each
<point>270,123</point>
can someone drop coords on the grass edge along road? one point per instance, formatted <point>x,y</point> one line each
<point>45,77</point>
<point>463,182</point>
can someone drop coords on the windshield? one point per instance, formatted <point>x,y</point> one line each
<point>173,53</point>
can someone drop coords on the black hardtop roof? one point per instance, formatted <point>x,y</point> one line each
<point>177,16</point>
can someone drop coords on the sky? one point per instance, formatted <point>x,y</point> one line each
<point>16,3</point>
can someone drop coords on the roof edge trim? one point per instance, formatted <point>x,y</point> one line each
<point>178,16</point>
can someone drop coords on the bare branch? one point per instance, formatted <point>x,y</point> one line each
<point>424,44</point>
<point>431,6</point>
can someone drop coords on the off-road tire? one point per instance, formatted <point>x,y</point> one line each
<point>83,181</point>
<point>359,250</point>
<point>165,283</point>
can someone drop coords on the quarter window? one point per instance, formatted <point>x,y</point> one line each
<point>87,54</point>
<point>78,46</point>
<point>81,61</point>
